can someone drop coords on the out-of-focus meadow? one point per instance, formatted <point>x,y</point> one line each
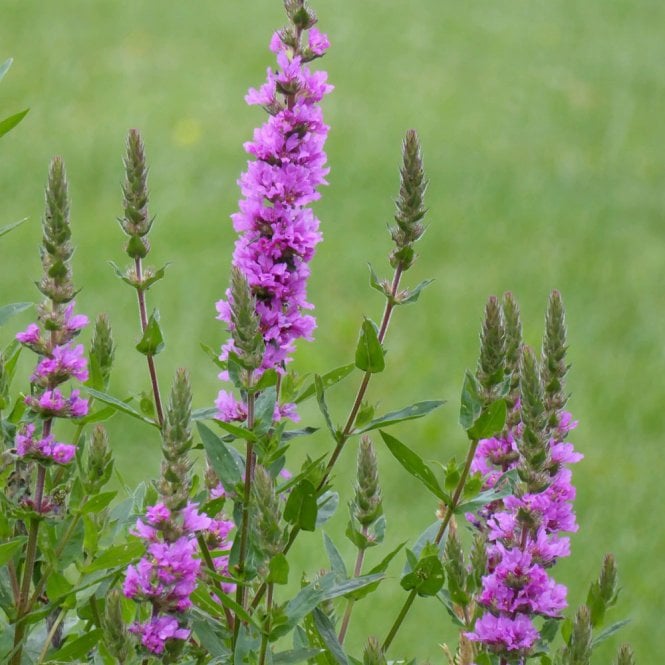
<point>542,126</point>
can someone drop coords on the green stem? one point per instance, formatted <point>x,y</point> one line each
<point>348,426</point>
<point>144,324</point>
<point>205,553</point>
<point>266,631</point>
<point>241,591</point>
<point>350,603</point>
<point>30,558</point>
<point>454,502</point>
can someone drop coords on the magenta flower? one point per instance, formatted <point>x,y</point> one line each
<point>158,631</point>
<point>30,336</point>
<point>502,633</point>
<point>63,363</point>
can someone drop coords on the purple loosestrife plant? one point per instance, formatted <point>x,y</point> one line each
<point>278,231</point>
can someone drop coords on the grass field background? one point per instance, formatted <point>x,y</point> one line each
<point>542,126</point>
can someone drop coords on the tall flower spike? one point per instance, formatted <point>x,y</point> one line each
<point>268,534</point>
<point>554,358</point>
<point>492,359</point>
<point>410,204</point>
<point>578,649</point>
<point>136,223</point>
<point>102,351</point>
<point>56,284</point>
<point>367,506</point>
<point>278,231</point>
<point>513,329</point>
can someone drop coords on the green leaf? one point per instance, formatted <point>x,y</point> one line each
<point>414,464</point>
<point>504,487</point>
<point>428,536</point>
<point>205,413</point>
<point>10,227</point>
<point>264,410</point>
<point>213,355</point>
<point>10,548</point>
<point>381,567</point>
<point>237,431</point>
<point>369,352</point>
<point>223,462</point>
<point>327,505</point>
<point>279,570</point>
<point>76,650</point>
<point>321,400</point>
<point>382,286</point>
<point>9,123</point>
<point>98,416</point>
<point>328,634</point>
<point>154,278</point>
<point>336,562</point>
<point>152,341</point>
<point>294,656</point>
<point>472,405</point>
<point>417,410</point>
<point>8,311</point>
<point>328,379</point>
<point>301,508</point>
<point>210,636</point>
<point>413,295</point>
<point>427,577</point>
<point>4,67</point>
<point>57,586</point>
<point>490,421</point>
<point>119,405</point>
<point>118,555</point>
<point>608,632</point>
<point>98,503</point>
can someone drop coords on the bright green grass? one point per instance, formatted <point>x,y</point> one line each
<point>543,135</point>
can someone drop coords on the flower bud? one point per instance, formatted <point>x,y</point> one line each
<point>373,654</point>
<point>554,358</point>
<point>102,350</point>
<point>578,649</point>
<point>245,327</point>
<point>136,222</point>
<point>603,592</point>
<point>100,461</point>
<point>116,636</point>
<point>490,371</point>
<point>453,563</point>
<point>367,505</point>
<point>410,203</point>
<point>56,251</point>
<point>268,535</point>
<point>513,330</point>
<point>625,655</point>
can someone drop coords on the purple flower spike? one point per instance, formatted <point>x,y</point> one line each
<point>278,231</point>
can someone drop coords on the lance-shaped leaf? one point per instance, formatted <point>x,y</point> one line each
<point>381,567</point>
<point>413,294</point>
<point>427,576</point>
<point>336,562</point>
<point>264,410</point>
<point>119,405</point>
<point>4,67</point>
<point>504,487</point>
<point>10,227</point>
<point>9,123</point>
<point>415,465</point>
<point>7,311</point>
<point>118,555</point>
<point>369,352</point>
<point>471,404</point>
<point>152,341</point>
<point>8,549</point>
<point>328,634</point>
<point>417,410</point>
<point>328,379</point>
<point>222,460</point>
<point>323,407</point>
<point>75,650</point>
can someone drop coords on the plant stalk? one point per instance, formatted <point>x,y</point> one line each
<point>454,502</point>
<point>350,603</point>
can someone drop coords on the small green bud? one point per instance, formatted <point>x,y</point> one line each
<point>136,222</point>
<point>578,649</point>
<point>513,330</point>
<point>116,636</point>
<point>625,655</point>
<point>490,371</point>
<point>100,461</point>
<point>245,330</point>
<point>373,654</point>
<point>410,204</point>
<point>478,559</point>
<point>368,505</point>
<point>453,563</point>
<point>300,14</point>
<point>603,592</point>
<point>268,535</point>
<point>102,350</point>
<point>56,251</point>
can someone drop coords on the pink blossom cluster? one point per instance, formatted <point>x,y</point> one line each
<point>524,541</point>
<point>278,231</point>
<point>167,575</point>
<point>59,362</point>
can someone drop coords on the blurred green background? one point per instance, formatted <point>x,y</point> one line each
<point>542,126</point>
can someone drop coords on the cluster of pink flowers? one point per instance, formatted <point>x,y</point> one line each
<point>59,362</point>
<point>524,541</point>
<point>278,232</point>
<point>167,575</point>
